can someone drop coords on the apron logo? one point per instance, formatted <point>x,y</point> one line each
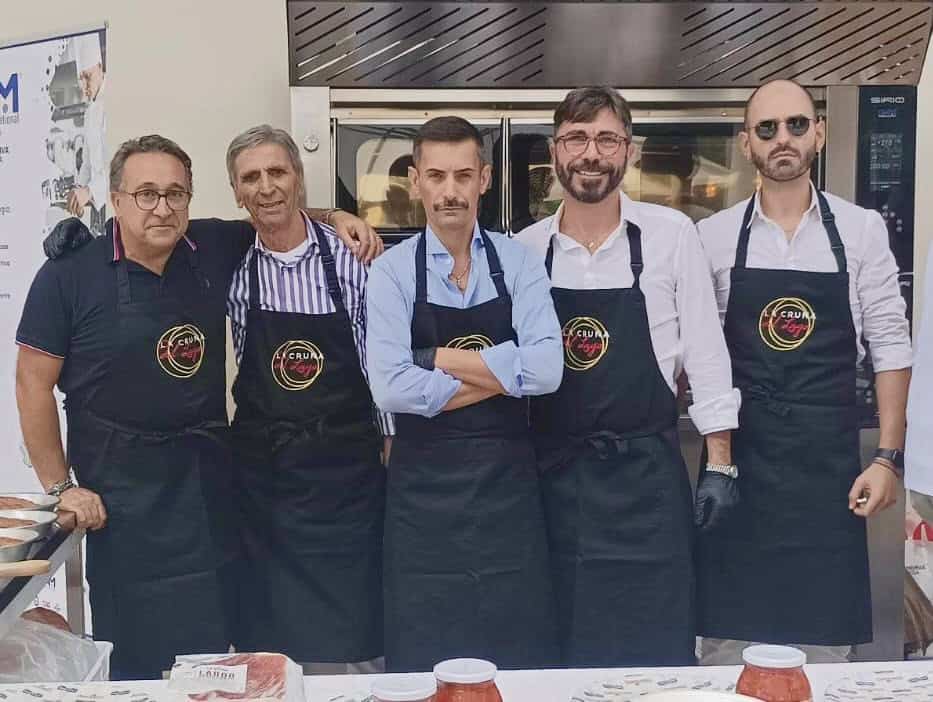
<point>786,323</point>
<point>297,364</point>
<point>471,342</point>
<point>586,341</point>
<point>180,351</point>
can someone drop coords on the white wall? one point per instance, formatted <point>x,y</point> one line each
<point>196,71</point>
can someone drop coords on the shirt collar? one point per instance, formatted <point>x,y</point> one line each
<point>435,247</point>
<point>628,212</point>
<point>119,251</point>
<point>309,233</point>
<point>814,205</point>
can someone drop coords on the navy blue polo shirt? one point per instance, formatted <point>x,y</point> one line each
<point>71,309</point>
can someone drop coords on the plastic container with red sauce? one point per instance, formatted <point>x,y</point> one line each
<point>774,674</point>
<point>405,688</point>
<point>466,680</point>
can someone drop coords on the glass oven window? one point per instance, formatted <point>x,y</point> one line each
<point>372,176</point>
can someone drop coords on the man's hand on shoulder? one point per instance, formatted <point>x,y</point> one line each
<point>68,235</point>
<point>356,234</point>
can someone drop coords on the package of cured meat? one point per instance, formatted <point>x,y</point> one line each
<point>271,677</point>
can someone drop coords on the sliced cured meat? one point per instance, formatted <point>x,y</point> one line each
<point>7,502</point>
<point>241,676</point>
<point>44,615</point>
<point>11,523</point>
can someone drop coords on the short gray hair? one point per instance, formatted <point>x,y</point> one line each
<point>264,134</point>
<point>150,144</point>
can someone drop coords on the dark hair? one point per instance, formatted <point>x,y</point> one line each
<point>150,144</point>
<point>583,104</point>
<point>447,130</point>
<point>754,94</point>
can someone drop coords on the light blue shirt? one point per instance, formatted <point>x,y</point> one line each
<point>532,367</point>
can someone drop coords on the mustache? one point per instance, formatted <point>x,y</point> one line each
<point>593,165</point>
<point>783,151</point>
<point>452,203</point>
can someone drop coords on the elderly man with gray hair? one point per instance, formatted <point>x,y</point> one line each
<point>306,447</point>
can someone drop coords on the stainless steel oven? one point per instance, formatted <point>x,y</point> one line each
<point>365,75</point>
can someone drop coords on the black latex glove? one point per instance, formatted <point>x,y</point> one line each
<point>68,235</point>
<point>717,498</point>
<point>424,357</point>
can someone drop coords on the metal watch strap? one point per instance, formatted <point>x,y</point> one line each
<point>58,488</point>
<point>729,470</point>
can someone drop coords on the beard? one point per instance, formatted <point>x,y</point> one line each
<point>771,167</point>
<point>592,190</point>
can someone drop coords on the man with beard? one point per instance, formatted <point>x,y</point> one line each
<point>633,294</point>
<point>461,329</point>
<point>800,277</point>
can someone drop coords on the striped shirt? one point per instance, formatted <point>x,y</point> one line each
<point>300,286</point>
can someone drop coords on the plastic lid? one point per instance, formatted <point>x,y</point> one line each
<point>465,670</point>
<point>405,688</point>
<point>766,656</point>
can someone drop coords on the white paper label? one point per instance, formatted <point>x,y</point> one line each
<point>195,678</point>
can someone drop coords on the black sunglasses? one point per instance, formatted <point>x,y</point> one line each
<point>798,125</point>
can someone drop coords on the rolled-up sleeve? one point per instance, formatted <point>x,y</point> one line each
<point>884,319</point>
<point>705,355</point>
<point>397,384</point>
<point>535,365</point>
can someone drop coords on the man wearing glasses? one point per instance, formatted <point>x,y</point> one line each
<point>131,328</point>
<point>800,277</point>
<point>634,299</point>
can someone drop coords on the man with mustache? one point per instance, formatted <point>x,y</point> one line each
<point>312,491</point>
<point>461,330</point>
<point>633,295</point>
<point>800,277</point>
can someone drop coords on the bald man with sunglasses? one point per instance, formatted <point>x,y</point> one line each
<point>801,276</point>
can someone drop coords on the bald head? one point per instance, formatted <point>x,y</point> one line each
<point>778,96</point>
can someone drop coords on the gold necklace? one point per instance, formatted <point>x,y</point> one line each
<point>458,278</point>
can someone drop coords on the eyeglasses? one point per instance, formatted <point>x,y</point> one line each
<point>607,143</point>
<point>798,125</point>
<point>147,200</point>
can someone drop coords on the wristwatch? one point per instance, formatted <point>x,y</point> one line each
<point>731,471</point>
<point>893,456</point>
<point>58,488</point>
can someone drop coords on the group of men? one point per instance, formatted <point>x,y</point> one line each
<point>470,448</point>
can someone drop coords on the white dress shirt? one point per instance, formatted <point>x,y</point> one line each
<point>878,309</point>
<point>678,296</point>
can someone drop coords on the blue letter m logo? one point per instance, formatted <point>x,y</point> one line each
<point>12,86</point>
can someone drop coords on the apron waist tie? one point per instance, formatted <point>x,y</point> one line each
<point>280,433</point>
<point>768,399</point>
<point>209,429</point>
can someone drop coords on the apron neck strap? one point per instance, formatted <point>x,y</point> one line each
<point>123,276</point>
<point>832,231</point>
<point>633,232</point>
<point>421,267</point>
<point>330,267</point>
<point>829,225</point>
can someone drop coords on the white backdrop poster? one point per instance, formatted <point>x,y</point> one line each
<point>53,164</point>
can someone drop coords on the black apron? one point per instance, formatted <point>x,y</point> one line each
<point>616,492</point>
<point>792,565</point>
<point>153,443</point>
<point>312,490</point>
<point>466,565</point>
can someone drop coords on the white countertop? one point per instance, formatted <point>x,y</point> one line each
<point>515,685</point>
